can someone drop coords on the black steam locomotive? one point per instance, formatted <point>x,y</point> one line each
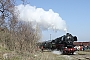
<point>63,43</point>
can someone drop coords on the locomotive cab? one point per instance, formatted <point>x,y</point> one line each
<point>75,38</point>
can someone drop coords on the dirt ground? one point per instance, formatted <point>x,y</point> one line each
<point>47,55</point>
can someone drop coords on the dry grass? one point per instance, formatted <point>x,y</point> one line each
<point>8,55</point>
<point>48,56</point>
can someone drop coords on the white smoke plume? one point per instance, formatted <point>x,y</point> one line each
<point>45,19</point>
<point>56,52</point>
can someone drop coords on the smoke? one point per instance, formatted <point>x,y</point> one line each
<point>45,19</point>
<point>56,52</point>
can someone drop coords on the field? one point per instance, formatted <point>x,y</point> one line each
<point>46,55</point>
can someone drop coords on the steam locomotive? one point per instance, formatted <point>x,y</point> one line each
<point>63,44</point>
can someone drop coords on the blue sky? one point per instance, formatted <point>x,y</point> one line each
<point>76,14</point>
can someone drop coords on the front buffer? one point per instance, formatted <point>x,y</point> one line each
<point>69,50</point>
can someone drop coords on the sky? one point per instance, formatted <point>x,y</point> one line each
<point>76,14</point>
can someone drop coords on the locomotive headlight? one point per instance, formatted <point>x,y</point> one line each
<point>65,47</point>
<point>68,37</point>
<point>71,49</point>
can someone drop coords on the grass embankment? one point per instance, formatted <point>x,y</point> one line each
<point>6,54</point>
<point>11,55</point>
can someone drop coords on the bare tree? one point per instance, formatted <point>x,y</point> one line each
<point>14,34</point>
<point>6,11</point>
